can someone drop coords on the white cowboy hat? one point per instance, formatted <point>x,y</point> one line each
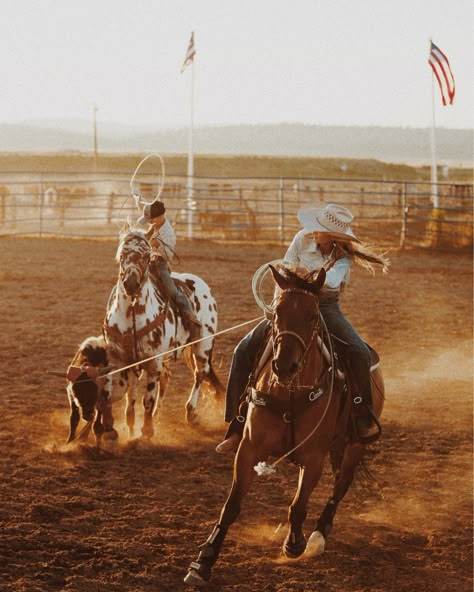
<point>331,218</point>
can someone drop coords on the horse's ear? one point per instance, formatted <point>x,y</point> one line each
<point>124,230</point>
<point>279,279</point>
<point>319,281</point>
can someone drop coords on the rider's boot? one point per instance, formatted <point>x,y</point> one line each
<point>367,424</point>
<point>234,432</point>
<point>191,321</point>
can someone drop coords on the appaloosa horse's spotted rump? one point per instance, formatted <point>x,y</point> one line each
<point>141,326</point>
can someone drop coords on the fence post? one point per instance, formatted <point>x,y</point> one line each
<point>41,204</point>
<point>110,207</point>
<point>61,203</point>
<point>282,212</point>
<point>3,208</point>
<point>403,233</point>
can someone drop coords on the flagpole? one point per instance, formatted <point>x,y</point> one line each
<point>191,157</point>
<point>434,167</point>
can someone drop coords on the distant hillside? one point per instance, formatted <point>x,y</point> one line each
<point>454,146</point>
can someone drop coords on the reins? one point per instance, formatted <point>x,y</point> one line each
<point>263,468</point>
<point>129,341</point>
<point>306,346</point>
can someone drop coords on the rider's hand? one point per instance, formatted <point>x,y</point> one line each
<point>268,315</point>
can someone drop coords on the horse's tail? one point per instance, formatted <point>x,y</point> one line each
<point>214,381</point>
<point>210,377</point>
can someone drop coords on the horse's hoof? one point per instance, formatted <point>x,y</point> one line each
<point>110,439</point>
<point>194,579</point>
<point>296,549</point>
<point>148,433</point>
<point>316,544</point>
<point>111,434</point>
<point>192,419</point>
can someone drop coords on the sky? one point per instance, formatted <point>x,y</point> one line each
<point>324,62</point>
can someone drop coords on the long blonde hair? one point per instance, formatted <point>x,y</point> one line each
<point>364,255</point>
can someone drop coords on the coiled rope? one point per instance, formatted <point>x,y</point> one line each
<point>257,284</point>
<point>133,191</point>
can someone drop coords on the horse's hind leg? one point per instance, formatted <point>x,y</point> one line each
<point>245,460</point>
<point>191,403</point>
<point>197,363</point>
<point>353,454</point>
<point>295,541</point>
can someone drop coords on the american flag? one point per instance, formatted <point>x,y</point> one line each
<point>442,70</point>
<point>190,53</point>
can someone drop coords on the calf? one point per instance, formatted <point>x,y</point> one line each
<point>84,386</point>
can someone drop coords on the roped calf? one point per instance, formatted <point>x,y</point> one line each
<point>85,383</point>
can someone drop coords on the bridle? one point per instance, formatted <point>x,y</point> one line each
<point>140,270</point>
<point>314,331</point>
<point>130,341</point>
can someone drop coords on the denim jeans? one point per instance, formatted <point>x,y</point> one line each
<point>244,357</point>
<point>243,361</point>
<point>354,349</point>
<point>170,289</point>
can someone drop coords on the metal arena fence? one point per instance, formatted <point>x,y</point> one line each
<point>387,213</point>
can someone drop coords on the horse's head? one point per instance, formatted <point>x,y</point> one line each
<point>296,320</point>
<point>133,256</point>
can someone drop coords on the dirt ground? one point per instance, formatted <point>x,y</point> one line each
<point>77,519</point>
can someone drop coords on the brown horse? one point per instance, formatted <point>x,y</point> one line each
<point>300,408</point>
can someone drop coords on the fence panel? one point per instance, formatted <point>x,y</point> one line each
<point>238,209</point>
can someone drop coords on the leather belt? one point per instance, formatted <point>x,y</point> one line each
<point>328,296</point>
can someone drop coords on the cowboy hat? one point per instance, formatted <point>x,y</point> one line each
<point>151,210</point>
<point>331,218</point>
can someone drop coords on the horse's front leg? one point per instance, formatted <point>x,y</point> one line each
<point>132,388</point>
<point>245,460</point>
<point>353,454</point>
<point>295,541</point>
<point>153,375</point>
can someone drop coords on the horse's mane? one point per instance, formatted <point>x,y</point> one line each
<point>301,277</point>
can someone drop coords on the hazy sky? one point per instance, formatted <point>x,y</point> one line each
<point>330,62</point>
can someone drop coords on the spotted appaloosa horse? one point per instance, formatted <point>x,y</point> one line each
<point>141,326</point>
<point>301,409</point>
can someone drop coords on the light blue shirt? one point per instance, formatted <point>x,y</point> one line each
<point>304,252</point>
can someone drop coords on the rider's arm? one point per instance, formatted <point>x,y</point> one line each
<point>292,255</point>
<point>164,240</point>
<point>338,275</point>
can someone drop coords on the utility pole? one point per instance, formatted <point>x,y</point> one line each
<point>94,110</point>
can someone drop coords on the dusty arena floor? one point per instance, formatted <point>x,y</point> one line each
<point>75,519</point>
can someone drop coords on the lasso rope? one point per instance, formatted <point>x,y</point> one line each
<point>170,351</point>
<point>132,188</point>
<point>257,284</point>
<point>162,182</point>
